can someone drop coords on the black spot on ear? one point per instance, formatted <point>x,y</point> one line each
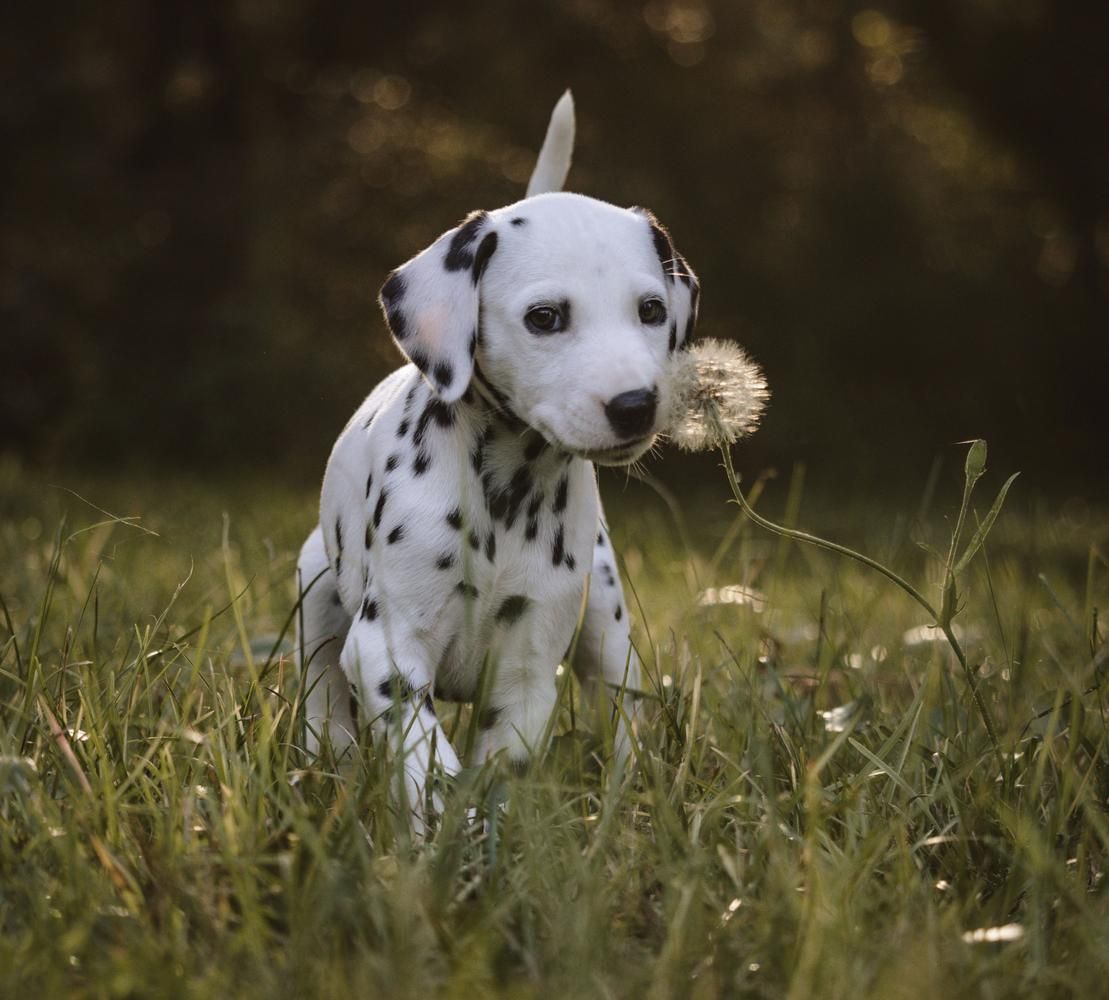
<point>444,374</point>
<point>486,248</point>
<point>460,254</point>
<point>419,359</point>
<point>518,221</point>
<point>396,534</point>
<point>664,249</point>
<point>391,294</point>
<point>454,519</point>
<point>393,289</point>
<point>512,608</point>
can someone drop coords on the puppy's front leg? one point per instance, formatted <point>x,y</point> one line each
<point>606,662</point>
<point>393,683</point>
<point>522,690</point>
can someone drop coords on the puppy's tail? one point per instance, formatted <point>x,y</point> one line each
<point>558,147</point>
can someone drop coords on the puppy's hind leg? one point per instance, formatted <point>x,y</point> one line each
<point>605,662</point>
<point>321,630</point>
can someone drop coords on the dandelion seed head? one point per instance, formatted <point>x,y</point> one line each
<point>718,395</point>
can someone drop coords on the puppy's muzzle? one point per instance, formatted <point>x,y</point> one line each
<point>632,414</point>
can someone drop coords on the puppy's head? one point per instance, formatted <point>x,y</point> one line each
<point>561,309</point>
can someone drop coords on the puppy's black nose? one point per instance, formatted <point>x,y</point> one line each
<point>632,413</point>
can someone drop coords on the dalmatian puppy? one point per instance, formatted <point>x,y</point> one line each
<point>461,529</point>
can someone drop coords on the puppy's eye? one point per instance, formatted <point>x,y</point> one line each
<point>544,319</point>
<point>652,312</point>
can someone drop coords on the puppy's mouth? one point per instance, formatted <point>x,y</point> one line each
<point>623,454</point>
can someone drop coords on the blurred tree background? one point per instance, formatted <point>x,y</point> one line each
<point>899,208</point>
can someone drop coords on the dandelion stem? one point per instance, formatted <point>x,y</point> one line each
<point>941,621</point>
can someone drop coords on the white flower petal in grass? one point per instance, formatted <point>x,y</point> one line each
<point>837,719</point>
<point>718,395</point>
<point>994,935</point>
<point>733,593</point>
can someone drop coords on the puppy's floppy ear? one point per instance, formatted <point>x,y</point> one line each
<point>685,290</point>
<point>431,304</point>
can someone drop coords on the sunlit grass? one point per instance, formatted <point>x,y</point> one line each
<point>817,810</point>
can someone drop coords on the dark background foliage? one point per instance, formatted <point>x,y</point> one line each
<point>900,208</point>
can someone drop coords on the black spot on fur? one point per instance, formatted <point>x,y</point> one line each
<point>467,590</point>
<point>354,709</point>
<point>419,359</point>
<point>559,552</point>
<point>391,294</point>
<point>444,374</point>
<point>571,562</point>
<point>454,519</point>
<point>486,248</point>
<point>473,343</point>
<point>460,256</point>
<point>338,546</point>
<point>477,453</point>
<point>395,687</point>
<point>442,413</point>
<point>518,221</point>
<point>475,540</point>
<point>379,508</point>
<point>673,335</point>
<point>561,494</point>
<point>531,530</point>
<point>619,612</point>
<point>402,428</point>
<point>518,489</point>
<point>393,289</point>
<point>512,609</point>
<point>369,610</point>
<point>429,705</point>
<point>535,448</point>
<point>490,546</point>
<point>369,535</point>
<point>369,484</point>
<point>396,534</point>
<point>421,463</point>
<point>487,718</point>
<point>392,462</point>
<point>336,599</point>
<point>663,248</point>
<point>600,539</point>
<point>445,561</point>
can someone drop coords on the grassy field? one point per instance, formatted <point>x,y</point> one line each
<point>818,809</point>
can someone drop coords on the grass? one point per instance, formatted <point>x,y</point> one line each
<point>817,809</point>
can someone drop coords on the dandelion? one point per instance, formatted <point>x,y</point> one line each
<point>718,395</point>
